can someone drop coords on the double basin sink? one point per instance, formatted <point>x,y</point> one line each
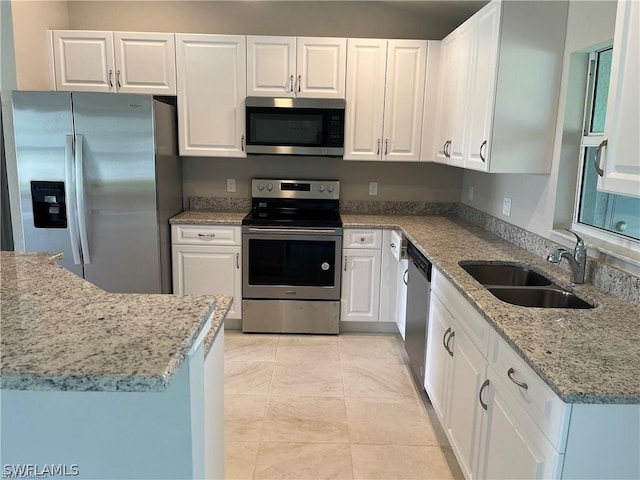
<point>522,286</point>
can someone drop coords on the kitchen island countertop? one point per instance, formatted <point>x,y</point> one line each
<point>60,332</point>
<point>585,356</point>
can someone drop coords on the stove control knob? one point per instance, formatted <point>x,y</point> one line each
<point>329,188</point>
<point>325,266</point>
<point>321,188</point>
<point>269,187</point>
<point>261,186</point>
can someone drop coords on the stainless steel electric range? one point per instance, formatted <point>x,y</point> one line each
<point>292,251</point>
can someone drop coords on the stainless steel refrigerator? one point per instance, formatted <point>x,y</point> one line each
<point>99,178</point>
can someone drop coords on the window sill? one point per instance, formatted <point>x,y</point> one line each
<point>622,257</point>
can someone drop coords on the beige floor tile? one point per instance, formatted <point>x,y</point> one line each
<point>305,419</point>
<point>243,417</point>
<point>303,461</point>
<point>308,348</point>
<point>310,379</point>
<point>250,347</point>
<point>401,421</point>
<point>240,460</point>
<point>247,378</point>
<point>404,462</point>
<point>371,348</point>
<point>372,380</point>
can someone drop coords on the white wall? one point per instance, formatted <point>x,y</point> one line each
<point>539,201</point>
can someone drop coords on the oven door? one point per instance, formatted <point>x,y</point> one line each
<point>291,264</point>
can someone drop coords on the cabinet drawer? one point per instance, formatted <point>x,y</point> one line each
<point>362,238</point>
<point>205,235</point>
<point>546,409</point>
<point>473,323</point>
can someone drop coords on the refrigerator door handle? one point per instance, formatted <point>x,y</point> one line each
<point>82,205</point>
<point>71,198</point>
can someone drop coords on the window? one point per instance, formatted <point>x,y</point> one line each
<point>610,214</point>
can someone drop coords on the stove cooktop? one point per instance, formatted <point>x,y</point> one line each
<point>293,218</point>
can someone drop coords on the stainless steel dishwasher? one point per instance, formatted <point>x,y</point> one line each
<point>418,293</point>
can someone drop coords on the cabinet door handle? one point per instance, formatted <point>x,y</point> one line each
<point>386,147</point>
<point>451,335</point>
<point>445,340</point>
<point>378,152</point>
<point>242,143</point>
<point>118,79</point>
<point>484,385</point>
<point>299,82</point>
<point>110,75</point>
<point>345,263</point>
<point>510,373</point>
<point>238,261</point>
<point>405,277</point>
<point>596,159</point>
<point>289,87</point>
<point>482,157</point>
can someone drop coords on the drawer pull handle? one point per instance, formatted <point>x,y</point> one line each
<point>211,235</point>
<point>510,373</point>
<point>362,239</point>
<point>484,385</point>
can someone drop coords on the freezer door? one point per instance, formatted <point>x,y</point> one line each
<point>118,202</point>
<point>43,126</point>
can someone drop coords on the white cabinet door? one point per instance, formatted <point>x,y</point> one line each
<point>619,158</point>
<point>404,99</point>
<point>446,83</point>
<point>145,63</point>
<point>360,286</point>
<point>439,357</point>
<point>458,102</point>
<point>271,66</point>
<point>430,142</point>
<point>209,270</point>
<point>463,415</point>
<point>401,312</point>
<point>321,67</point>
<point>484,57</point>
<point>211,92</point>
<point>367,63</point>
<point>389,278</point>
<point>83,61</point>
<point>511,446</point>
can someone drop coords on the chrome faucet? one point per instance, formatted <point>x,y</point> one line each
<point>577,260</point>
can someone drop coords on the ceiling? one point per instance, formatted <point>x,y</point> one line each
<point>453,12</point>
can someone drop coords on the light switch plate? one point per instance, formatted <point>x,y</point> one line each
<point>231,184</point>
<point>373,188</point>
<point>506,206</point>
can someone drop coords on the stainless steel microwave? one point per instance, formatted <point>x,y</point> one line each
<point>295,126</point>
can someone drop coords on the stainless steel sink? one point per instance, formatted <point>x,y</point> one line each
<point>522,286</point>
<point>540,297</point>
<point>504,274</point>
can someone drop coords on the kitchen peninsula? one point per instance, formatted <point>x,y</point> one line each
<point>112,385</point>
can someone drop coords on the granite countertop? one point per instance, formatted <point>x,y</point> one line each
<point>60,332</point>
<point>585,356</point>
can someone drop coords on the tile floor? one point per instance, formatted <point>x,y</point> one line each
<point>320,407</point>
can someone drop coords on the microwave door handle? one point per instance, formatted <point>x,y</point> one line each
<point>72,219</point>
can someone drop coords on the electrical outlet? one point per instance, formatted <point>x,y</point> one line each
<point>506,206</point>
<point>471,193</point>
<point>231,184</point>
<point>373,188</point>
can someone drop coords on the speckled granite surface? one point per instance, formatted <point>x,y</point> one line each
<point>585,356</point>
<point>223,304</point>
<point>206,217</point>
<point>59,332</point>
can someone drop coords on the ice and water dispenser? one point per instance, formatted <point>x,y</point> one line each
<point>49,205</point>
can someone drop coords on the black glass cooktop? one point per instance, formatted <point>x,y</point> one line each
<point>293,218</point>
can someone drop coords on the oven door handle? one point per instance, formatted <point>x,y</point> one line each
<point>292,230</point>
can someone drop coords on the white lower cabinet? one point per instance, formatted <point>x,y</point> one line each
<point>502,420</point>
<point>206,262</point>
<point>360,285</point>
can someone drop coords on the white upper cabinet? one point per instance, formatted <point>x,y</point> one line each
<point>385,94</point>
<point>128,62</point>
<point>296,67</point>
<point>500,86</point>
<point>619,155</point>
<point>211,93</point>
